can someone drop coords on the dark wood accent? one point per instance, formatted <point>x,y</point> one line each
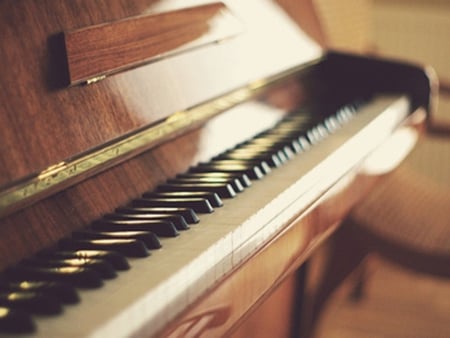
<point>108,48</point>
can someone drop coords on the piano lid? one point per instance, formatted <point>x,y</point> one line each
<point>45,124</point>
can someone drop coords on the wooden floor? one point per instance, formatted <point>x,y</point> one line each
<point>397,304</point>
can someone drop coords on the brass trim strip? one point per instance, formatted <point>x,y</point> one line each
<point>62,175</point>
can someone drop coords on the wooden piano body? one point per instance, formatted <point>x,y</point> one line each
<point>72,152</point>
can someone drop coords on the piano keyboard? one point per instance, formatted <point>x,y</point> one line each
<point>180,239</point>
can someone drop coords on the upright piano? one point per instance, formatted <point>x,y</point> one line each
<point>166,165</point>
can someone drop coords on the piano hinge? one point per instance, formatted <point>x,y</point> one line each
<point>95,79</point>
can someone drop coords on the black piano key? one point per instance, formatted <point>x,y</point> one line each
<point>261,147</point>
<point>252,171</point>
<point>270,158</point>
<point>304,143</point>
<point>127,247</point>
<point>200,205</point>
<point>65,293</point>
<point>78,277</point>
<point>150,240</point>
<point>33,302</point>
<point>280,143</point>
<point>262,165</point>
<point>332,124</point>
<point>211,196</point>
<point>316,134</point>
<point>223,190</point>
<point>283,151</point>
<point>344,114</point>
<point>242,177</point>
<point>178,220</point>
<point>104,268</point>
<point>13,321</point>
<point>116,259</point>
<point>287,130</point>
<point>322,130</point>
<point>187,213</point>
<point>296,121</point>
<point>234,182</point>
<point>162,228</point>
<point>295,145</point>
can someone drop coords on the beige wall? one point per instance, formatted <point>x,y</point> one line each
<point>417,30</point>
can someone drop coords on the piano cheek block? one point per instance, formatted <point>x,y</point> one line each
<point>63,292</point>
<point>160,228</point>
<point>199,205</point>
<point>33,302</point>
<point>178,221</point>
<point>187,213</point>
<point>14,321</point>
<point>78,277</point>
<point>104,268</point>
<point>127,247</point>
<point>150,240</point>
<point>116,259</point>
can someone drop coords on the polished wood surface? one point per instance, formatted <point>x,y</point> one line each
<point>96,51</point>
